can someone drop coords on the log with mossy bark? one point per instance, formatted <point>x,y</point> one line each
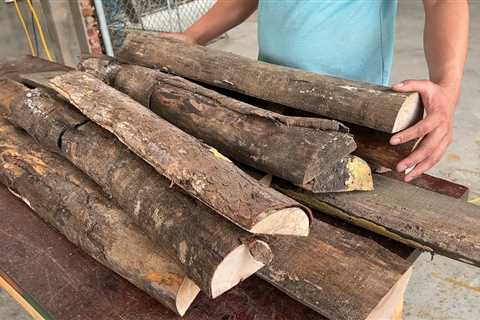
<point>301,150</point>
<point>197,168</point>
<point>68,200</point>
<point>404,212</point>
<point>216,254</point>
<point>364,104</point>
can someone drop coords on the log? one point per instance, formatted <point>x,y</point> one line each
<point>297,149</point>
<point>340,271</point>
<point>198,169</point>
<point>214,253</point>
<point>73,204</point>
<point>364,104</point>
<point>12,67</point>
<point>415,216</point>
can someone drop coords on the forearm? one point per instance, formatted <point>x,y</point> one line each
<point>446,43</point>
<point>223,16</point>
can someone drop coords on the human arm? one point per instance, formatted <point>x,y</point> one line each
<point>223,16</point>
<point>445,46</point>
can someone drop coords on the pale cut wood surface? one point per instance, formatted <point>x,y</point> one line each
<point>368,105</point>
<point>197,168</point>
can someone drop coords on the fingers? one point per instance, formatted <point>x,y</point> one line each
<point>419,130</point>
<point>429,162</point>
<point>424,150</point>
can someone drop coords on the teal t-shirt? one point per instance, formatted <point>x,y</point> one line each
<point>351,39</point>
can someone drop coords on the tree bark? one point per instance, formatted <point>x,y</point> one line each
<point>197,168</point>
<point>338,270</point>
<point>74,205</point>
<point>309,152</point>
<point>204,243</point>
<point>368,105</point>
<point>409,214</point>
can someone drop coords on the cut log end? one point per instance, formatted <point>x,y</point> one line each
<point>186,294</point>
<point>237,266</point>
<point>391,305</point>
<point>289,221</point>
<point>410,112</point>
<point>360,175</point>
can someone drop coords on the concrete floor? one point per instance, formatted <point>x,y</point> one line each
<point>440,288</point>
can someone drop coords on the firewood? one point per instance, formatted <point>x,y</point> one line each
<point>215,254</point>
<point>364,104</point>
<point>198,169</point>
<point>415,216</point>
<point>69,201</point>
<point>297,149</point>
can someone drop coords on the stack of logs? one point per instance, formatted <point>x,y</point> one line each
<point>135,165</point>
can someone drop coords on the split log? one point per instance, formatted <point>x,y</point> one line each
<point>12,67</point>
<point>409,214</point>
<point>364,104</point>
<point>340,271</point>
<point>214,253</point>
<point>297,149</point>
<point>198,169</point>
<point>74,205</point>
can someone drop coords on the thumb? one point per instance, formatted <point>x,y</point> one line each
<point>410,85</point>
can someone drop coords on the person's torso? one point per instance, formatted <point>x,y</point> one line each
<point>351,39</point>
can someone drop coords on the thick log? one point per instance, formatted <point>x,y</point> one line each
<point>213,252</point>
<point>198,169</point>
<point>12,67</point>
<point>340,271</point>
<point>73,204</point>
<point>407,213</point>
<point>364,104</point>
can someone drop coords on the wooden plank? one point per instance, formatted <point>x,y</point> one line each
<point>197,168</point>
<point>73,204</point>
<point>407,213</point>
<point>204,244</point>
<point>58,277</point>
<point>364,104</point>
<point>434,184</point>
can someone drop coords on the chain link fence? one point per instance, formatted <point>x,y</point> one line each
<point>152,15</point>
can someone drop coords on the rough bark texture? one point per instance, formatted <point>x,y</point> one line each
<point>339,271</point>
<point>293,148</point>
<point>9,90</point>
<point>64,283</point>
<point>364,104</point>
<point>188,230</point>
<point>197,168</point>
<point>296,149</point>
<point>406,213</point>
<point>73,204</point>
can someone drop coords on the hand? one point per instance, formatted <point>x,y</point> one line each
<point>182,36</point>
<point>435,130</point>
